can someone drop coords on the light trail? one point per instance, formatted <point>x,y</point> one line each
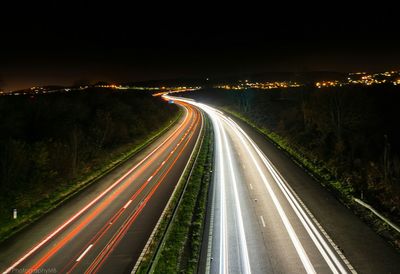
<point>313,232</point>
<point>289,228</point>
<point>109,247</point>
<point>102,206</point>
<point>223,244</point>
<point>243,244</point>
<point>222,146</point>
<point>321,240</point>
<point>144,163</point>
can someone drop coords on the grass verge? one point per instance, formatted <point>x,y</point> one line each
<point>344,192</point>
<point>64,193</point>
<point>177,244</point>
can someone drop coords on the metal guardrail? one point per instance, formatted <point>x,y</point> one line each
<point>162,242</point>
<point>373,210</point>
<point>154,259</point>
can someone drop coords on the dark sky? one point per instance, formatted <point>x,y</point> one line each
<point>62,42</point>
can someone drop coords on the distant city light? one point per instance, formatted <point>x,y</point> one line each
<point>353,78</point>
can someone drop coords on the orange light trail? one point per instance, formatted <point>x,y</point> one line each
<point>108,224</point>
<point>100,259</point>
<point>159,149</point>
<point>108,200</point>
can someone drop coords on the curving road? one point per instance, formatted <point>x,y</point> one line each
<point>259,224</point>
<point>257,221</point>
<point>105,228</point>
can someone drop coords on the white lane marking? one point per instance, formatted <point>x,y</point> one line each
<point>127,204</point>
<point>251,186</point>
<point>151,177</point>
<point>262,221</point>
<point>163,163</point>
<point>292,234</point>
<point>84,253</point>
<point>314,234</point>
<point>242,235</point>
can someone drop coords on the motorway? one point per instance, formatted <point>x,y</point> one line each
<point>266,214</point>
<point>259,224</point>
<point>104,228</point>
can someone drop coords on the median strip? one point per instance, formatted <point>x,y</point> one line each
<point>176,244</point>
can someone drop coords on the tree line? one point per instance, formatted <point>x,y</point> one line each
<point>351,131</point>
<point>48,142</point>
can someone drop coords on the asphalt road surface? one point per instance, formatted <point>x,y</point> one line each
<point>269,216</point>
<point>105,228</point>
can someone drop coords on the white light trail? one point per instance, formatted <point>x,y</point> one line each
<point>323,247</point>
<point>242,236</point>
<point>223,246</point>
<point>292,234</point>
<point>303,214</point>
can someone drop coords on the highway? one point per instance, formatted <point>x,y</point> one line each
<point>259,224</point>
<point>266,215</point>
<point>105,228</point>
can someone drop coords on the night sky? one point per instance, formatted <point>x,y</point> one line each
<point>65,43</point>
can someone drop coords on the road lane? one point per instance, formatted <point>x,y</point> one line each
<point>126,211</point>
<point>363,247</point>
<point>260,224</point>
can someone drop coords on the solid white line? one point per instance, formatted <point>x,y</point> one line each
<point>84,253</point>
<point>127,204</point>
<point>262,221</point>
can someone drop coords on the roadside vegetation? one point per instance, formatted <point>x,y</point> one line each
<point>53,145</point>
<point>177,247</point>
<point>347,137</point>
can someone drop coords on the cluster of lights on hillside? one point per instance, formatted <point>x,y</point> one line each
<point>242,85</point>
<point>334,83</point>
<point>42,90</point>
<point>354,78</point>
<point>45,90</point>
<point>364,78</point>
